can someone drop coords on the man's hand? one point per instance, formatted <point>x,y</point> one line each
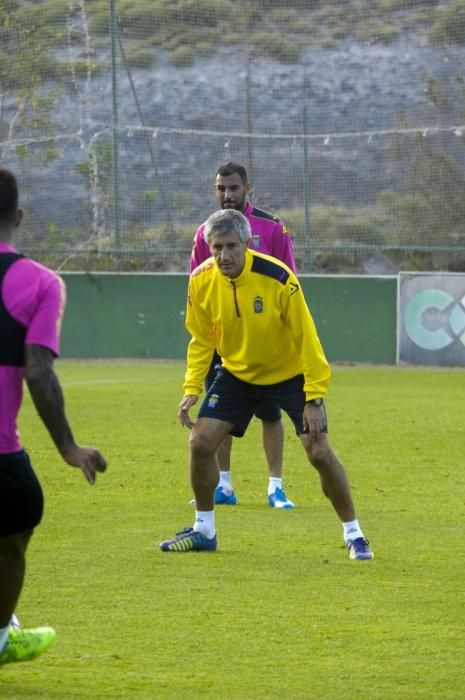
<point>183,412</point>
<point>314,419</point>
<point>88,459</point>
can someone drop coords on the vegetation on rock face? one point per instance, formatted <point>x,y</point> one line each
<point>26,63</point>
<point>272,25</point>
<point>199,27</point>
<point>449,26</point>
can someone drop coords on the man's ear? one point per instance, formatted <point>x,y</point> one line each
<point>19,217</point>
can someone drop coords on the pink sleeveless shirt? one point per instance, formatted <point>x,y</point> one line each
<point>35,297</point>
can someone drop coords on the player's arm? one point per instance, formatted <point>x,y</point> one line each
<point>47,396</point>
<point>201,345</point>
<point>297,315</point>
<point>187,401</point>
<point>199,355</point>
<point>282,246</point>
<point>200,250</point>
<point>316,368</point>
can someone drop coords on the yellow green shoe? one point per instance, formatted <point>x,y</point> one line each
<point>23,645</point>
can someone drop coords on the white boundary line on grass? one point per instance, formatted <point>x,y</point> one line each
<point>90,382</point>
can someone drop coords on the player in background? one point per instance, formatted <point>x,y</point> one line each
<point>31,307</point>
<point>269,235</point>
<point>251,308</point>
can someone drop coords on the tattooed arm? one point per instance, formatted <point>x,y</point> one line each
<point>47,395</point>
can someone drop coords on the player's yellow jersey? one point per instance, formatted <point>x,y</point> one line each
<point>258,322</point>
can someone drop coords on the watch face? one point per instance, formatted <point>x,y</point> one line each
<point>317,402</point>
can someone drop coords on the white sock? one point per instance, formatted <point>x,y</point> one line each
<point>225,482</point>
<point>205,522</point>
<point>352,530</point>
<point>3,636</point>
<point>273,484</point>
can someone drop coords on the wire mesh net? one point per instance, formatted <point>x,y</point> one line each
<point>348,115</point>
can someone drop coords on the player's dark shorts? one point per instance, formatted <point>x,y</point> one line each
<point>21,497</point>
<point>232,400</point>
<point>267,410</point>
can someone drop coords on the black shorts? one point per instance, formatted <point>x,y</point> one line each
<point>232,400</point>
<point>21,497</point>
<point>268,410</point>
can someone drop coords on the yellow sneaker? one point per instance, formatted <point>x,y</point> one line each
<point>23,645</point>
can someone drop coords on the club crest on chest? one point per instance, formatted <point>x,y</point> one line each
<point>255,241</point>
<point>258,305</point>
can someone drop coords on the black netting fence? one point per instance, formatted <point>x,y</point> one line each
<point>349,116</point>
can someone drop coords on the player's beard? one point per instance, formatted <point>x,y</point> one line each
<point>238,206</point>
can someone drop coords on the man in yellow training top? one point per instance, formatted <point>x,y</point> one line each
<point>251,308</point>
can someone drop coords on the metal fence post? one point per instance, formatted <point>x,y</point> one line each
<point>114,135</point>
<point>306,188</point>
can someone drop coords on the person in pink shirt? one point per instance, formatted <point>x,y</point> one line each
<point>32,301</point>
<point>269,236</point>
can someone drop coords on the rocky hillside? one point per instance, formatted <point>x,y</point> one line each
<point>197,116</point>
<point>362,96</point>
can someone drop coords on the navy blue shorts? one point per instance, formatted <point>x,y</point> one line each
<point>267,410</point>
<point>232,400</point>
<point>21,497</point>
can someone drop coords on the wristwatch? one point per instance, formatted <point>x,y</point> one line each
<point>316,402</point>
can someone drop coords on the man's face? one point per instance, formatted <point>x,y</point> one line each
<point>229,253</point>
<point>231,192</point>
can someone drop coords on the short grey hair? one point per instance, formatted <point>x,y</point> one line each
<point>227,221</point>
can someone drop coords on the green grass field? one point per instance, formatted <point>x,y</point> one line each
<point>279,611</point>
